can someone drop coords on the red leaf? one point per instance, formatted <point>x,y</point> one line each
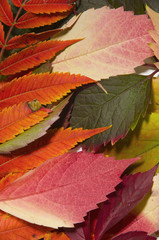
<point>134,236</point>
<point>22,41</point>
<point>31,20</point>
<point>32,56</point>
<point>129,194</point>
<point>17,3</point>
<point>49,6</point>
<point>52,194</point>
<point>14,120</point>
<point>1,35</point>
<point>49,146</point>
<point>46,88</point>
<point>6,15</point>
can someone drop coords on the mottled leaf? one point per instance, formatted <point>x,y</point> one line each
<point>133,189</point>
<point>31,20</point>
<point>106,52</point>
<point>53,144</point>
<point>41,196</point>
<point>46,88</point>
<point>49,6</point>
<point>127,99</point>
<point>14,120</point>
<point>32,56</point>
<point>6,15</point>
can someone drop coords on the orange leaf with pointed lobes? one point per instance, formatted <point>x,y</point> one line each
<point>46,88</point>
<point>31,20</point>
<point>49,146</point>
<point>32,56</point>
<point>22,41</point>
<point>49,6</point>
<point>1,35</point>
<point>16,229</point>
<point>6,15</point>
<point>14,120</point>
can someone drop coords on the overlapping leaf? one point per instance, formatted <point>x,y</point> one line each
<point>14,120</point>
<point>46,88</point>
<point>17,3</point>
<point>43,198</point>
<point>1,35</point>
<point>127,99</point>
<point>106,52</point>
<point>56,236</point>
<point>32,56</point>
<point>134,236</point>
<point>50,6</point>
<point>143,142</point>
<point>6,15</point>
<point>51,145</point>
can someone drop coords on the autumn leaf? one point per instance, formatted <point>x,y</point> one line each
<point>51,6</point>
<point>17,3</point>
<point>31,20</point>
<point>14,120</point>
<point>43,198</point>
<point>127,99</point>
<point>32,56</point>
<point>134,236</point>
<point>56,236</point>
<point>1,35</point>
<point>53,144</point>
<point>106,52</point>
<point>6,15</point>
<point>143,143</point>
<point>155,95</point>
<point>46,88</point>
<point>34,132</point>
<point>134,188</point>
<point>154,18</point>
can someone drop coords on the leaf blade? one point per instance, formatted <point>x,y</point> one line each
<point>6,15</point>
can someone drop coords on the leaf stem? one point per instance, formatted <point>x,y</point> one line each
<point>10,30</point>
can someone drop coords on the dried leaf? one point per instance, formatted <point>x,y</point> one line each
<point>31,20</point>
<point>6,15</point>
<point>14,120</point>
<point>32,56</point>
<point>109,47</point>
<point>41,196</point>
<point>50,6</point>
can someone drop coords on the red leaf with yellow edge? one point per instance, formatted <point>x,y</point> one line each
<point>56,236</point>
<point>49,6</point>
<point>49,146</point>
<point>31,20</point>
<point>32,56</point>
<point>12,228</point>
<point>22,41</point>
<point>1,35</point>
<point>17,3</point>
<point>6,15</point>
<point>14,120</point>
<point>46,88</point>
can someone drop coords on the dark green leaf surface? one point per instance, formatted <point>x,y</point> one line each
<point>127,99</point>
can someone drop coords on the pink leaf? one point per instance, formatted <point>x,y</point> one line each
<point>134,236</point>
<point>115,42</point>
<point>62,190</point>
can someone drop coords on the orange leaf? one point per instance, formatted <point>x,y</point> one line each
<point>45,87</point>
<point>31,20</point>
<point>11,177</point>
<point>32,56</point>
<point>56,236</point>
<point>49,6</point>
<point>12,228</point>
<point>14,120</point>
<point>6,15</point>
<point>1,35</point>
<point>48,147</point>
<point>17,3</point>
<point>22,41</point>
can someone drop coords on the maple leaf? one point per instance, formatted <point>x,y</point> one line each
<point>143,142</point>
<point>14,120</point>
<point>53,144</point>
<point>32,56</point>
<point>127,99</point>
<point>45,199</point>
<point>51,6</point>
<point>106,52</point>
<point>46,88</point>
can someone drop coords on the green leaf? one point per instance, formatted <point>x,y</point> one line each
<point>129,5</point>
<point>127,99</point>
<point>34,132</point>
